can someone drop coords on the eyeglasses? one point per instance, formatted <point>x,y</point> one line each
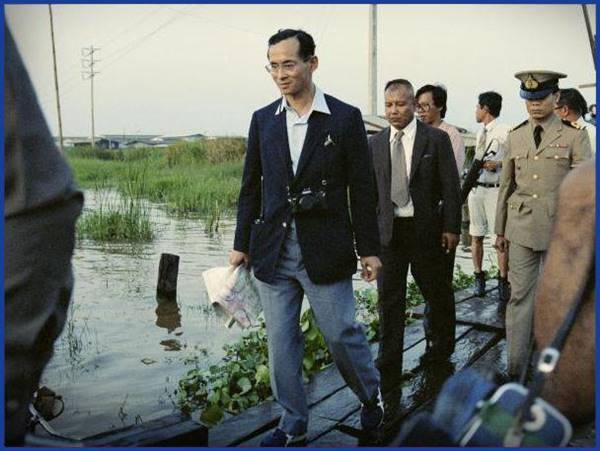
<point>425,107</point>
<point>287,67</point>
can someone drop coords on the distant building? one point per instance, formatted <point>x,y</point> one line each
<point>124,141</point>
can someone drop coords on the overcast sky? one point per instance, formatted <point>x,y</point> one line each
<point>179,69</point>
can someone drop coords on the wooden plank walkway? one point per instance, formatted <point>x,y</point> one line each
<point>335,411</point>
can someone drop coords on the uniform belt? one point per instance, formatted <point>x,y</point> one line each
<point>488,185</point>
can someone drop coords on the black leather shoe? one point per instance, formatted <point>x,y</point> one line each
<point>503,289</point>
<point>479,284</point>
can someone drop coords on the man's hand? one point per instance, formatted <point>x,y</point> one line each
<point>449,241</point>
<point>236,258</point>
<point>370,268</point>
<point>501,244</point>
<point>490,165</point>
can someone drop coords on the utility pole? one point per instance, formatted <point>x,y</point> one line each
<point>60,133</point>
<point>373,59</point>
<point>88,62</point>
<point>591,36</point>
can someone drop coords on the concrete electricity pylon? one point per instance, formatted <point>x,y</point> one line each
<point>60,132</point>
<point>88,62</point>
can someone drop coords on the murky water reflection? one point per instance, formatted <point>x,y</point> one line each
<point>121,353</point>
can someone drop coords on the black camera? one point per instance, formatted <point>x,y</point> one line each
<point>309,201</point>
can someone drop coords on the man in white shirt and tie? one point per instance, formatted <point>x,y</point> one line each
<point>415,171</point>
<point>491,140</point>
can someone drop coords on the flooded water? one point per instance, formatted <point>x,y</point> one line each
<point>121,354</point>
<point>118,360</point>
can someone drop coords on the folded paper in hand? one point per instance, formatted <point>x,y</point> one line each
<point>233,290</point>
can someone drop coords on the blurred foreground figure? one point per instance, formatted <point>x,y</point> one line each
<point>41,205</point>
<point>571,388</point>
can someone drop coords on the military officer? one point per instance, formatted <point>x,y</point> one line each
<point>540,153</point>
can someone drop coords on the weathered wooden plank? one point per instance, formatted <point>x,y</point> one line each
<point>247,424</point>
<point>344,403</point>
<point>494,359</point>
<point>462,296</point>
<point>335,439</point>
<point>171,430</point>
<point>242,428</point>
<point>427,381</point>
<point>317,426</point>
<point>250,423</point>
<point>483,312</point>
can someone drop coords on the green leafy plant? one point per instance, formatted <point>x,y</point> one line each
<point>241,379</point>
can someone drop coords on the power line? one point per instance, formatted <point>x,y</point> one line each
<point>194,15</point>
<point>135,44</point>
<point>71,82</point>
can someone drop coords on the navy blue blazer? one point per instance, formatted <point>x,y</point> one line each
<point>335,146</point>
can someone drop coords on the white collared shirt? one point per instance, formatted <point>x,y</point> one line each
<point>408,142</point>
<point>497,132</point>
<point>297,126</point>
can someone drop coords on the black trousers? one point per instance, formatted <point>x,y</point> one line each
<point>429,267</point>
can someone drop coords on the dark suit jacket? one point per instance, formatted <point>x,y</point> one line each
<point>433,179</point>
<point>327,239</point>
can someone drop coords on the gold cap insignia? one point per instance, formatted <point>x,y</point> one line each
<point>531,83</point>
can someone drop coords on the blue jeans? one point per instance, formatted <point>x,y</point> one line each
<point>334,310</point>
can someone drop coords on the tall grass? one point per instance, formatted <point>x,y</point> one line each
<point>124,218</point>
<point>191,177</point>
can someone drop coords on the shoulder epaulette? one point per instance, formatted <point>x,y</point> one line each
<point>573,124</point>
<point>520,125</point>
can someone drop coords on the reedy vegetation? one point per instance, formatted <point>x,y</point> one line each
<point>200,177</point>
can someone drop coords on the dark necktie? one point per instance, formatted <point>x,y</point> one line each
<point>537,135</point>
<point>399,192</point>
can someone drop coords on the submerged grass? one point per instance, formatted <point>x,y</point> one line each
<point>116,219</point>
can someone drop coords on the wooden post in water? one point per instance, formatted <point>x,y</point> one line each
<point>167,276</point>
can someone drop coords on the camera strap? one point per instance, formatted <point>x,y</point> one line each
<point>547,359</point>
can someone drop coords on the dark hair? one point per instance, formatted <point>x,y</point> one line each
<point>398,82</point>
<point>307,44</point>
<point>439,96</point>
<point>573,100</point>
<point>492,100</point>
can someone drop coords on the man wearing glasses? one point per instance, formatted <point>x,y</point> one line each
<point>431,109</point>
<point>540,153</point>
<point>306,152</point>
<point>572,107</point>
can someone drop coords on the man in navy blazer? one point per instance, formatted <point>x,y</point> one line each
<point>306,152</point>
<point>417,229</point>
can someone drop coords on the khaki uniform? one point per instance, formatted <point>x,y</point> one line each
<point>525,213</point>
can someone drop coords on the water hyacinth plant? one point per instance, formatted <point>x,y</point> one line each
<point>241,379</point>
